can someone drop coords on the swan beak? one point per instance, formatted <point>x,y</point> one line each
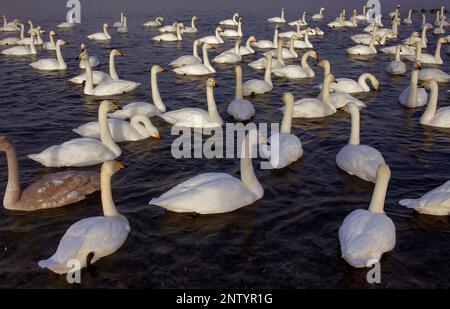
<point>115,107</point>
<point>66,43</point>
<point>120,165</point>
<point>80,56</point>
<point>418,66</point>
<point>423,84</point>
<point>376,88</point>
<point>158,136</point>
<point>214,83</point>
<point>316,57</point>
<point>211,47</point>
<point>163,69</point>
<point>121,55</point>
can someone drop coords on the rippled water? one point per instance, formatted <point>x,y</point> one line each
<point>287,239</point>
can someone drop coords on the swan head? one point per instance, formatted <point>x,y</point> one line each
<point>211,82</point>
<point>111,167</point>
<point>5,144</point>
<point>219,29</point>
<point>61,42</point>
<point>105,25</point>
<point>158,69</point>
<point>315,56</point>
<point>160,18</point>
<point>29,22</point>
<point>252,39</point>
<point>116,53</point>
<point>82,47</point>
<point>383,171</point>
<point>443,40</point>
<point>288,98</point>
<point>180,26</point>
<point>322,63</point>
<point>330,78</point>
<point>52,33</point>
<point>194,18</point>
<point>109,106</point>
<point>417,66</point>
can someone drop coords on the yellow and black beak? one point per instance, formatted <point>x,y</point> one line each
<point>115,107</point>
<point>162,69</point>
<point>158,136</point>
<point>214,83</point>
<point>120,165</point>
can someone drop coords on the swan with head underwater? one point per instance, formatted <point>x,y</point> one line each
<point>51,64</point>
<point>433,117</point>
<point>299,22</point>
<point>101,36</point>
<point>51,191</point>
<point>297,71</point>
<point>256,86</point>
<point>105,88</point>
<point>196,117</point>
<point>188,59</point>
<point>83,151</point>
<point>366,234</point>
<point>215,193</point>
<point>170,37</point>
<point>22,50</point>
<point>285,147</point>
<point>198,69</point>
<point>396,66</point>
<point>154,23</point>
<point>413,96</point>
<point>356,159</point>
<point>144,108</point>
<point>93,238</point>
<point>239,108</point>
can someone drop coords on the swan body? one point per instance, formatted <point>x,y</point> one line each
<point>435,74</point>
<point>27,41</point>
<point>50,45</point>
<point>188,59</point>
<point>120,23</point>
<point>230,22</point>
<point>301,22</point>
<point>196,117</point>
<point>318,16</point>
<point>287,53</point>
<point>52,64</point>
<point>8,27</point>
<point>355,159</point>
<point>435,203</point>
<point>230,56</point>
<point>231,33</point>
<point>94,61</point>
<point>261,64</point>
<point>256,86</point>
<point>296,71</point>
<point>239,108</point>
<point>247,49</point>
<point>404,51</point>
<point>397,66</point>
<point>431,59</point>
<point>408,20</point>
<point>278,20</point>
<point>213,39</point>
<point>83,151</point>
<point>351,86</point>
<point>340,99</point>
<point>192,29</point>
<point>366,234</point>
<point>302,44</point>
<point>363,49</point>
<point>213,193</point>
<point>91,239</point>
<point>13,40</point>
<point>51,191</point>
<point>266,44</point>
<point>101,36</point>
<point>124,27</point>
<point>413,96</point>
<point>198,69</point>
<point>22,50</point>
<point>170,37</point>
<point>432,116</point>
<point>154,23</point>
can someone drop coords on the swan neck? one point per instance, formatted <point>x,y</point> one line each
<point>268,72</point>
<point>206,59</point>
<point>280,53</point>
<point>430,111</point>
<point>105,31</point>
<point>354,137</point>
<point>397,53</point>
<point>156,97</point>
<point>109,208</point>
<point>212,107</point>
<point>195,49</point>
<point>32,46</point>
<point>193,24</point>
<point>305,64</point>
<point>112,67</point>
<point>275,37</point>
<point>379,194</point>
<point>12,192</point>
<point>239,93</point>
<point>179,37</point>
<point>105,133</point>
<point>362,81</point>
<point>59,57</point>
<point>248,177</point>
<point>89,86</point>
<point>437,53</point>
<point>248,46</point>
<point>286,123</point>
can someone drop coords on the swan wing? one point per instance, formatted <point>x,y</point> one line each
<point>310,108</point>
<point>113,87</point>
<point>288,151</point>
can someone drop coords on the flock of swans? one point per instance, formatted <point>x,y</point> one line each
<point>364,234</point>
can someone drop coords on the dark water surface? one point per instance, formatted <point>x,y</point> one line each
<point>287,239</point>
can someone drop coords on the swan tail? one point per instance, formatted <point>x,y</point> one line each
<point>409,203</point>
<point>53,266</point>
<point>36,157</point>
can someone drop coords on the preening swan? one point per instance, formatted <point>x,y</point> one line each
<point>192,29</point>
<point>430,59</point>
<point>154,23</point>
<point>432,116</point>
<point>170,37</point>
<point>139,128</point>
<point>213,193</point>
<point>105,88</point>
<point>188,59</point>
<point>256,86</point>
<point>22,50</point>
<point>435,203</point>
<point>318,16</point>
<point>91,239</point>
<point>413,96</point>
<point>296,71</point>
<point>239,108</point>
<point>101,36</point>
<point>98,76</point>
<point>213,39</point>
<point>355,159</point>
<point>50,45</point>
<point>230,22</point>
<point>144,108</point>
<point>94,61</point>
<point>230,56</point>
<point>196,117</point>
<point>51,64</point>
<point>247,49</point>
<point>351,86</point>
<point>13,40</point>
<point>397,66</point>
<point>366,234</point>
<point>231,33</point>
<point>51,191</point>
<point>83,151</point>
<point>198,69</point>
<point>285,147</point>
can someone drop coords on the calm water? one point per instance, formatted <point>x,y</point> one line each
<point>287,239</point>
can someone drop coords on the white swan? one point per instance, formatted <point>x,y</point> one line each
<point>120,23</point>
<point>169,28</point>
<point>366,234</point>
<point>247,49</point>
<point>144,108</point>
<point>266,44</point>
<point>91,239</point>
<point>302,44</point>
<point>94,61</point>
<point>213,39</point>
<point>301,22</point>
<point>99,76</point>
<point>288,53</point>
<point>8,27</point>
<point>52,64</point>
<point>285,147</point>
<point>170,37</point>
<point>230,56</point>
<point>50,45</point>
<point>101,36</point>
<point>230,22</point>
<point>198,69</point>
<point>154,23</point>
<point>67,24</point>
<point>318,16</point>
<point>364,49</point>
<point>213,193</point>
<point>13,40</point>
<point>22,50</point>
<point>338,23</point>
<point>296,71</point>
<point>26,41</point>
<point>316,107</point>
<point>139,128</point>
<point>405,50</point>
<point>257,86</point>
<point>356,159</point>
<point>196,117</point>
<point>397,66</point>
<point>124,27</point>
<point>278,20</point>
<point>413,96</point>
<point>351,86</point>
<point>261,63</point>
<point>435,74</point>
<point>239,108</point>
<point>188,59</point>
<point>408,20</point>
<point>424,22</point>
<point>83,151</point>
<point>363,16</point>
<point>105,88</point>
<point>38,29</point>
<point>440,30</point>
<point>231,33</point>
<point>432,116</point>
<point>192,29</point>
<point>435,203</point>
<point>288,34</point>
<point>431,59</point>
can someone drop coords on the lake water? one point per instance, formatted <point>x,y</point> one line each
<point>287,239</point>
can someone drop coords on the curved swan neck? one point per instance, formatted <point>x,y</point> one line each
<point>206,59</point>
<point>239,93</point>
<point>354,137</point>
<point>305,64</point>
<point>362,81</point>
<point>248,45</point>
<point>275,37</point>
<point>248,177</point>
<point>397,52</point>
<point>156,97</point>
<point>380,190</point>
<point>109,208</point>
<point>193,23</point>
<point>437,53</point>
<point>212,107</point>
<point>105,133</point>
<point>112,66</point>
<point>12,192</point>
<point>268,72</point>
<point>195,49</point>
<point>179,37</point>
<point>59,57</point>
<point>430,111</point>
<point>143,125</point>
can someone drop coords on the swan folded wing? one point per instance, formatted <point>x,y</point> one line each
<point>100,235</point>
<point>193,69</point>
<point>98,77</point>
<point>291,71</point>
<point>120,130</point>
<point>442,117</point>
<point>310,108</point>
<point>255,86</point>
<point>187,116</point>
<point>345,85</point>
<point>289,150</point>
<point>339,99</point>
<point>365,235</point>
<point>60,189</point>
<point>360,160</point>
<point>184,60</point>
<point>112,87</point>
<point>17,50</point>
<point>136,108</point>
<point>207,194</point>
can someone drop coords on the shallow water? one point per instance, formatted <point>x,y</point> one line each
<point>287,239</point>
